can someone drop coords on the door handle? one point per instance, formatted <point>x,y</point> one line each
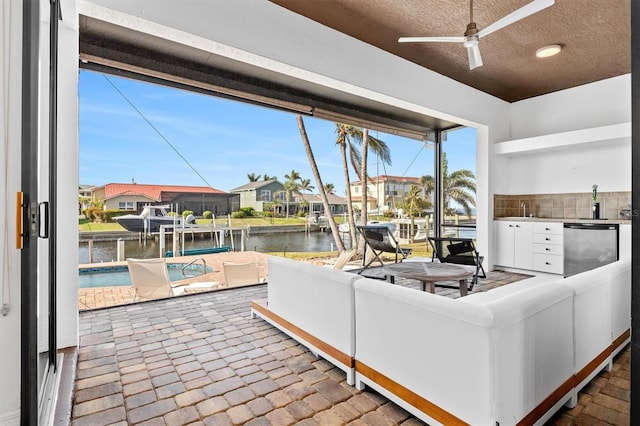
<point>19,220</point>
<point>43,219</point>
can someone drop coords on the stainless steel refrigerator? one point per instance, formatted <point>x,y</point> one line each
<point>588,246</point>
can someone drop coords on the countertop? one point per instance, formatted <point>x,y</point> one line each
<point>566,220</point>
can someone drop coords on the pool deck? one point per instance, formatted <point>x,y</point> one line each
<point>201,359</point>
<point>101,297</point>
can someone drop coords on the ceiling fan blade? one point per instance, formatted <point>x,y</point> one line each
<point>475,59</point>
<point>427,39</point>
<point>527,10</point>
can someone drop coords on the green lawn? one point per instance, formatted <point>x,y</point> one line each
<point>86,225</point>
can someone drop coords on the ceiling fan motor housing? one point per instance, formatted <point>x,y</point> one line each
<point>472,30</point>
<point>471,35</point>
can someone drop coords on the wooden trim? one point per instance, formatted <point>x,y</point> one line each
<point>427,407</point>
<point>548,402</point>
<point>591,366</point>
<point>19,220</point>
<point>620,340</point>
<point>261,306</point>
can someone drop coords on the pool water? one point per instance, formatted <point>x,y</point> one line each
<point>108,276</point>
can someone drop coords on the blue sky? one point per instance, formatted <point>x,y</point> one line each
<point>223,140</point>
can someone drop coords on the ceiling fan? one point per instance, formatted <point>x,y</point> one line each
<point>472,35</point>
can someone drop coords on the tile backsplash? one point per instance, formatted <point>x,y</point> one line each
<point>559,206</point>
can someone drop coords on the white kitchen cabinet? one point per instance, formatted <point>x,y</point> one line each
<point>624,241</point>
<point>514,244</point>
<point>548,247</point>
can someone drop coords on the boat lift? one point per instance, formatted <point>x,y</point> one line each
<point>218,235</point>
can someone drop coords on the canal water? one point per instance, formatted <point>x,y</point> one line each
<point>106,251</point>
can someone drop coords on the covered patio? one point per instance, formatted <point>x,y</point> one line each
<point>561,138</point>
<point>201,359</point>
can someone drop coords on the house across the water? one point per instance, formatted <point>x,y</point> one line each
<point>134,196</point>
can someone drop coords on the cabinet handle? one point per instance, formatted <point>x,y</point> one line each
<point>510,226</point>
<point>546,239</point>
<point>517,226</point>
<point>547,229</point>
<point>547,263</point>
<point>547,249</point>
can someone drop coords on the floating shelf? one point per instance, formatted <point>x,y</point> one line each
<point>615,133</point>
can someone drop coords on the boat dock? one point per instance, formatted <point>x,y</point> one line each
<point>222,237</point>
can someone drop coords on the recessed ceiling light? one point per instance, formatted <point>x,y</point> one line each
<point>550,50</point>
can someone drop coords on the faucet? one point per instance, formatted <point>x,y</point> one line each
<point>524,209</point>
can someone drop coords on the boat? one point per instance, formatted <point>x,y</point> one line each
<point>345,227</point>
<point>150,219</point>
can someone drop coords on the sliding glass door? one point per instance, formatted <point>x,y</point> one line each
<point>38,203</point>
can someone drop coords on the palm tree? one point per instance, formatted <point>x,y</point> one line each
<point>363,172</point>
<point>253,177</point>
<point>276,203</point>
<point>414,204</point>
<point>349,138</point>
<point>321,187</point>
<point>291,185</point>
<point>329,188</point>
<point>266,177</point>
<point>459,186</point>
<point>305,186</point>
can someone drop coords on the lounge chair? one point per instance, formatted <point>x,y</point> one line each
<point>151,280</point>
<point>379,239</point>
<point>460,251</point>
<point>237,274</point>
<point>342,260</point>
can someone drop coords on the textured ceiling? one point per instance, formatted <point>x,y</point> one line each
<point>595,35</point>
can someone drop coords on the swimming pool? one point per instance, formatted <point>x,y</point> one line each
<point>108,276</point>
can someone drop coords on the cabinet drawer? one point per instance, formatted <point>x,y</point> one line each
<point>548,249</point>
<point>553,264</point>
<point>548,238</point>
<point>547,227</point>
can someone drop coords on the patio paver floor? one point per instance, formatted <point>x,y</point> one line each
<point>201,359</point>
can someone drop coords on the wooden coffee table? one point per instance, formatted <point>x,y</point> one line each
<point>429,273</point>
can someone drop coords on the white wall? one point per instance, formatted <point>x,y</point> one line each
<point>10,132</point>
<point>576,168</point>
<point>591,105</point>
<point>572,170</point>
<point>68,176</point>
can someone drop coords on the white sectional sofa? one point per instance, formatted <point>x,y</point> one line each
<point>512,355</point>
<point>487,360</point>
<point>315,306</point>
<point>602,317</point>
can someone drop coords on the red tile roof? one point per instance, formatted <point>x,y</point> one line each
<point>387,178</point>
<point>153,192</point>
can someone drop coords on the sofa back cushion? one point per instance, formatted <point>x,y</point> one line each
<point>429,344</point>
<point>318,300</point>
<point>493,358</point>
<point>533,348</point>
<point>619,275</point>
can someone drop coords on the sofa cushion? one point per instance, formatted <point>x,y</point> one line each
<point>491,358</point>
<point>318,300</point>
